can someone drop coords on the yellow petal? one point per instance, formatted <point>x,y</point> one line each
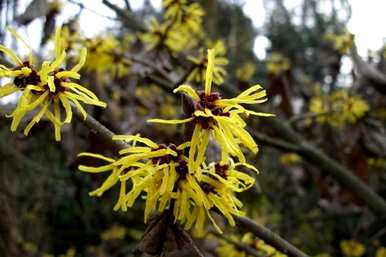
<point>8,89</point>
<point>187,90</point>
<point>170,121</point>
<point>209,72</point>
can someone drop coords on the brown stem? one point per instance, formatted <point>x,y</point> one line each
<point>97,128</point>
<point>270,237</point>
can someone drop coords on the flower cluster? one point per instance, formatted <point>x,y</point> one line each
<point>180,29</point>
<point>220,118</point>
<point>200,64</point>
<point>178,178</point>
<point>245,72</point>
<point>161,173</point>
<point>338,109</point>
<point>352,248</point>
<point>106,56</point>
<point>288,159</point>
<point>47,91</point>
<point>342,42</point>
<point>227,249</point>
<point>381,252</point>
<point>277,64</point>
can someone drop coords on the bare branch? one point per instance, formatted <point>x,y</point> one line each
<point>277,143</point>
<point>368,72</point>
<point>97,128</point>
<point>270,237</point>
<point>127,17</point>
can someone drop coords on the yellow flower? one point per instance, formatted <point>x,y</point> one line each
<point>200,64</point>
<point>220,118</point>
<point>116,232</point>
<point>268,250</point>
<point>245,72</point>
<point>180,13</point>
<point>21,74</point>
<point>51,89</point>
<point>338,108</point>
<point>220,182</point>
<point>191,18</point>
<point>377,162</point>
<point>152,169</point>
<point>342,42</point>
<point>70,35</point>
<point>174,8</point>
<point>161,36</point>
<point>289,158</point>
<point>278,64</point>
<point>106,55</point>
<point>381,252</point>
<point>55,5</point>
<point>352,248</point>
<point>218,46</point>
<point>227,249</point>
<point>162,174</point>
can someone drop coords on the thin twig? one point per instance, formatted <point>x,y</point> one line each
<point>277,143</point>
<point>308,115</point>
<point>127,17</point>
<point>270,237</point>
<point>128,6</point>
<point>369,72</point>
<point>150,65</point>
<point>97,128</point>
<point>83,7</point>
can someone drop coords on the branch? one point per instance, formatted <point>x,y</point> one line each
<point>368,72</point>
<point>97,128</point>
<point>127,17</point>
<point>277,143</point>
<point>128,6</point>
<point>345,177</point>
<point>308,115</point>
<point>270,237</point>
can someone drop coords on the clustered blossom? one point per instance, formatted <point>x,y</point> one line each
<point>107,56</point>
<point>161,173</point>
<point>338,109</point>
<point>48,91</point>
<point>277,64</point>
<point>179,30</point>
<point>342,42</point>
<point>179,178</point>
<point>227,249</point>
<point>220,118</point>
<point>200,64</point>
